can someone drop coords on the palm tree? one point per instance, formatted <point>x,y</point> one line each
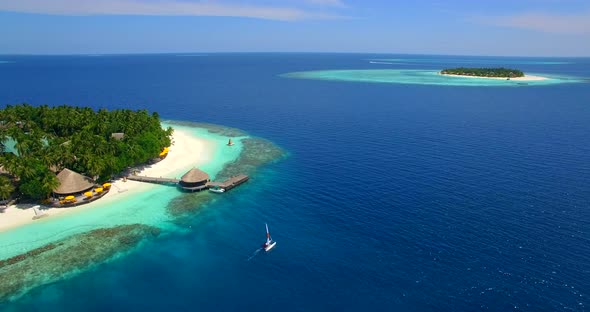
<point>10,163</point>
<point>49,182</point>
<point>27,167</point>
<point>75,138</point>
<point>6,187</point>
<point>94,164</point>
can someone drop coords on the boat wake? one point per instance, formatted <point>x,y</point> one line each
<point>268,245</point>
<point>254,254</point>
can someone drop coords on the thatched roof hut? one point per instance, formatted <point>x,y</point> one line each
<point>194,176</point>
<point>194,180</point>
<point>118,135</point>
<point>71,182</point>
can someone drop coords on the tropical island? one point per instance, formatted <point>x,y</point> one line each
<point>34,252</point>
<point>499,72</point>
<point>40,144</point>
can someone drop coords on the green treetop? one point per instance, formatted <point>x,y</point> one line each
<point>49,139</point>
<point>484,72</point>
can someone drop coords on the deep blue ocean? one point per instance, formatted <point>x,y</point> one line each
<point>393,197</point>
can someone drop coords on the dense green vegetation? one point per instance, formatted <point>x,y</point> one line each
<point>6,187</point>
<point>484,72</point>
<point>49,139</point>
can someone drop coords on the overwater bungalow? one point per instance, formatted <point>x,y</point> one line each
<point>194,180</point>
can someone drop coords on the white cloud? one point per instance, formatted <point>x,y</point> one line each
<point>160,8</point>
<point>544,22</point>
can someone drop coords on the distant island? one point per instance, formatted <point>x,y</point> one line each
<point>500,72</point>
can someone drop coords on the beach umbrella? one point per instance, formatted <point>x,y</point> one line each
<point>69,197</point>
<point>88,194</point>
<point>165,151</point>
<point>98,189</point>
<point>106,185</point>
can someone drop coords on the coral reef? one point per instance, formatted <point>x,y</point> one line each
<point>255,153</point>
<point>61,259</point>
<point>56,260</point>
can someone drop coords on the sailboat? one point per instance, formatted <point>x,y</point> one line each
<point>269,244</point>
<point>230,143</point>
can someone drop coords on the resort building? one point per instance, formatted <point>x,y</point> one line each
<point>72,185</point>
<point>118,135</point>
<point>194,180</point>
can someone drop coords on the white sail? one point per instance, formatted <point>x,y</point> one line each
<point>269,242</point>
<point>268,239</point>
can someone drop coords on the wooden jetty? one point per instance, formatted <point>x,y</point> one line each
<point>226,185</point>
<point>153,179</point>
<point>229,183</point>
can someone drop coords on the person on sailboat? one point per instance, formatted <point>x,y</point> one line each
<point>269,244</point>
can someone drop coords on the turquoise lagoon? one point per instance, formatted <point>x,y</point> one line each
<point>423,77</point>
<point>146,206</point>
<point>454,198</point>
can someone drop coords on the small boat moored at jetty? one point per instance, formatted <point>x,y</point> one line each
<point>228,184</point>
<point>269,244</point>
<point>217,189</point>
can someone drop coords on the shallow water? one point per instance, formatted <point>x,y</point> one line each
<point>147,207</point>
<point>405,197</point>
<point>425,77</point>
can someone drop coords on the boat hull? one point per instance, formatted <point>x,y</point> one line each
<point>269,246</point>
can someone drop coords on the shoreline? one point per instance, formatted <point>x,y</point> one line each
<point>186,151</point>
<point>525,78</point>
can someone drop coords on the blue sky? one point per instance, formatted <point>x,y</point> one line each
<point>475,27</point>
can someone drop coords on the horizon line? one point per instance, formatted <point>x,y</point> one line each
<point>204,53</point>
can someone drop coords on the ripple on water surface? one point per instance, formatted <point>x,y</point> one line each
<point>424,77</point>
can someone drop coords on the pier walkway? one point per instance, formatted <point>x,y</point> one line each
<point>153,179</point>
<point>227,184</point>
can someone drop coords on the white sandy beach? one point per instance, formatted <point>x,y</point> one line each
<point>187,151</point>
<point>525,78</point>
